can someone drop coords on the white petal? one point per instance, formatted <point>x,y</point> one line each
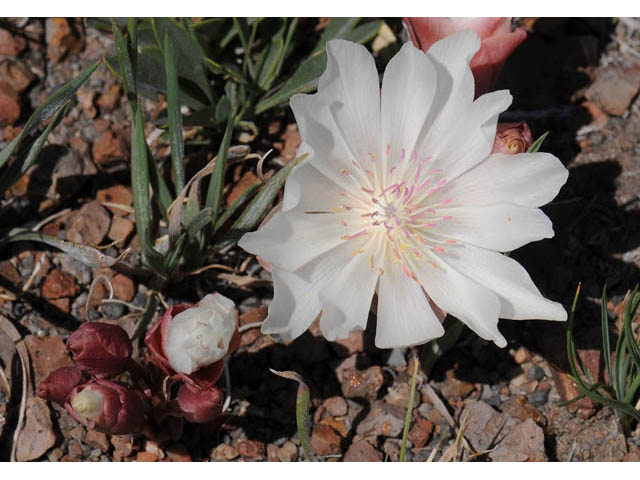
<point>291,239</point>
<point>345,281</point>
<point>526,179</point>
<point>309,190</point>
<point>408,89</point>
<point>295,305</point>
<point>470,140</point>
<point>351,87</point>
<point>454,89</point>
<point>519,297</point>
<point>471,303</point>
<point>404,314</point>
<point>331,153</point>
<point>501,227</point>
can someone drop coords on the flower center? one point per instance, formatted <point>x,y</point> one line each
<point>403,211</point>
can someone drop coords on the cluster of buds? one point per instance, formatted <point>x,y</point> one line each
<point>100,351</point>
<point>190,344</point>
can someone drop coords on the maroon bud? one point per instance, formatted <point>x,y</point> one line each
<point>512,138</point>
<point>102,349</point>
<point>107,406</point>
<point>59,383</point>
<point>200,405</point>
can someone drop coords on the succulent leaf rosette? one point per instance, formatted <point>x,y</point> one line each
<point>401,196</point>
<point>190,342</point>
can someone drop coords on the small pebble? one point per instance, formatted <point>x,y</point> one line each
<point>538,398</point>
<point>113,310</point>
<point>536,373</point>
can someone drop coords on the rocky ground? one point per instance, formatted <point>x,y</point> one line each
<point>577,78</point>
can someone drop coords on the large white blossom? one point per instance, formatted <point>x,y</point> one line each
<point>400,196</point>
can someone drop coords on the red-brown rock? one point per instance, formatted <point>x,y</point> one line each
<point>362,451</point>
<point>89,225</point>
<point>15,74</point>
<point>109,99</point>
<point>421,432</point>
<point>325,441</point>
<point>9,105</point>
<point>59,284</point>
<point>11,45</point>
<point>251,449</point>
<point>110,146</point>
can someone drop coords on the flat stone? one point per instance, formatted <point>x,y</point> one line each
<point>59,284</point>
<point>96,439</point>
<point>362,451</point>
<point>11,45</point>
<point>9,105</point>
<point>47,354</point>
<point>37,435</point>
<point>16,74</point>
<point>251,449</point>
<point>110,99</point>
<point>288,452</point>
<point>614,88</point>
<point>382,419</point>
<point>110,146</point>
<point>117,194</point>
<point>89,225</point>
<point>363,383</point>
<point>224,453</point>
<point>325,441</point>
<point>524,443</point>
<point>420,433</point>
<point>336,406</point>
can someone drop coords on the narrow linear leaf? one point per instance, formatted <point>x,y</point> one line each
<point>45,111</point>
<point>535,146</point>
<point>85,254</point>
<point>407,418</point>
<point>235,206</point>
<point>21,164</point>
<point>161,192</point>
<point>141,197</point>
<point>124,62</point>
<point>259,206</point>
<point>214,193</point>
<point>302,409</point>
<point>149,311</point>
<point>176,139</point>
<point>606,344</point>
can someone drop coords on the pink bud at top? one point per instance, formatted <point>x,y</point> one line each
<point>191,342</point>
<point>512,138</point>
<point>498,42</point>
<point>59,384</point>
<point>107,406</point>
<point>102,349</point>
<point>200,405</point>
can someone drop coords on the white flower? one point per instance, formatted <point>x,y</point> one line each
<point>401,196</point>
<point>200,335</point>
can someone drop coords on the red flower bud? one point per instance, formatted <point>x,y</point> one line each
<point>498,42</point>
<point>200,406</point>
<point>182,345</point>
<point>102,349</point>
<point>512,138</point>
<point>59,384</point>
<point>107,406</point>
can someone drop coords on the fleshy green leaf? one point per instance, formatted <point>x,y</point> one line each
<point>24,161</point>
<point>174,116</point>
<point>302,409</point>
<point>258,207</point>
<point>306,76</point>
<point>45,111</point>
<point>535,146</point>
<point>141,197</point>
